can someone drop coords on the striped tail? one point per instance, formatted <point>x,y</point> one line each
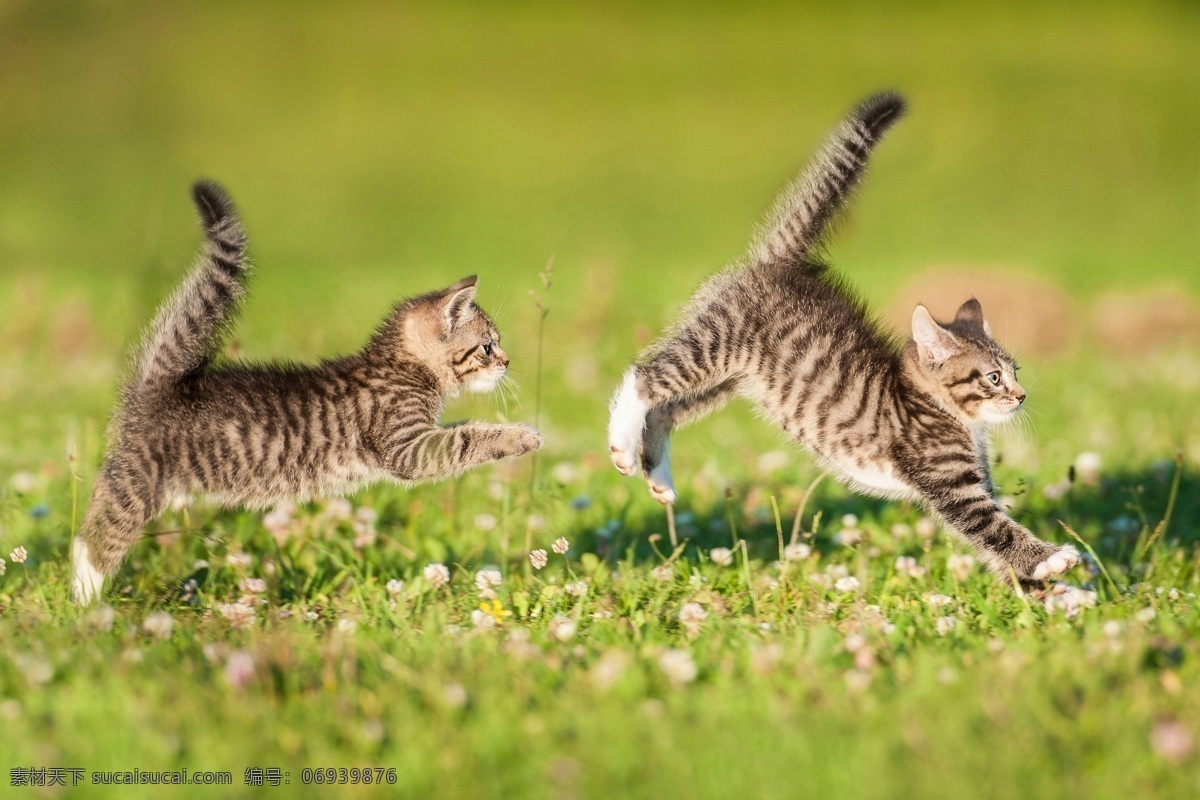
<point>186,333</point>
<point>804,210</point>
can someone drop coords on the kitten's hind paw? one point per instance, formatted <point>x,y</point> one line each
<point>622,459</point>
<point>662,488</point>
<point>1059,562</point>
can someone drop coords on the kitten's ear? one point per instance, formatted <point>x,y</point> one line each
<point>971,313</point>
<point>935,344</point>
<point>456,302</point>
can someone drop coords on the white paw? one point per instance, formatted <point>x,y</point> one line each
<point>662,488</point>
<point>1061,561</point>
<point>87,580</point>
<point>622,459</point>
<point>625,425</point>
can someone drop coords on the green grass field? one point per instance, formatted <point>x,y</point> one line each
<point>380,151</point>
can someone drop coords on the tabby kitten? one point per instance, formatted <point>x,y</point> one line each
<point>255,435</point>
<point>783,331</point>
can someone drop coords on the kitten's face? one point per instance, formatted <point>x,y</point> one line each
<point>458,340</point>
<point>965,368</point>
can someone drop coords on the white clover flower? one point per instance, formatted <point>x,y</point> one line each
<point>1070,601</point>
<point>1057,491</point>
<point>19,555</point>
<point>850,537</point>
<point>691,616</point>
<point>487,578</point>
<point>938,600</point>
<point>1087,468</point>
<point>239,669</point>
<point>311,616</point>
<point>239,559</point>
<point>609,668</point>
<point>562,628</point>
<point>847,584</point>
<point>901,531</point>
<point>905,565</point>
<point>564,472</point>
<point>1112,629</point>
<point>254,585</point>
<point>278,518</point>
<point>102,618</point>
<point>159,625</point>
<point>854,642</point>
<point>239,614</point>
<point>945,625</point>
<point>482,620</point>
<point>3,567</point>
<point>576,588</point>
<point>663,573</point>
<point>347,625</point>
<point>364,536</point>
<point>455,694</point>
<point>1146,614</point>
<point>366,515</point>
<point>539,559</point>
<point>536,522</point>
<point>485,522</point>
<point>436,575</point>
<point>926,528</point>
<point>835,571</point>
<point>796,552</point>
<point>560,546</point>
<point>1172,741</point>
<point>960,565</point>
<point>23,482</point>
<point>337,508</point>
<point>773,460</point>
<point>849,521</point>
<point>678,666</point>
<point>864,659</point>
<point>395,587</point>
<point>721,556</point>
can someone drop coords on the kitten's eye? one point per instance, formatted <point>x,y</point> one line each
<point>487,349</point>
<point>994,377</point>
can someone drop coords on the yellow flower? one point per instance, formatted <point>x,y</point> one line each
<point>495,610</point>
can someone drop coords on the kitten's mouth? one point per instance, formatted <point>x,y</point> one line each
<point>486,382</point>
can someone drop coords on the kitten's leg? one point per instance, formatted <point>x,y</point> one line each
<point>956,490</point>
<point>661,421</point>
<point>684,366</point>
<point>436,452</point>
<point>122,504</point>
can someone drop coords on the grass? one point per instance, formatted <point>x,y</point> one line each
<point>378,152</point>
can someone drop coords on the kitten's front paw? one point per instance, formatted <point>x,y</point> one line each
<point>523,439</point>
<point>1059,562</point>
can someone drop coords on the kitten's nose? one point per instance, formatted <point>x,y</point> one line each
<point>1020,398</point>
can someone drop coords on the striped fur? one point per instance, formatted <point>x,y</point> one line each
<point>892,420</point>
<point>256,435</point>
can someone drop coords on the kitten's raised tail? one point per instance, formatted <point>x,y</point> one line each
<point>814,198</point>
<point>186,332</point>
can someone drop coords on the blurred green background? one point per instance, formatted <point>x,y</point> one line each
<point>378,150</point>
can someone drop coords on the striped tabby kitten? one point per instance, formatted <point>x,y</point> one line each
<point>783,331</point>
<point>255,435</point>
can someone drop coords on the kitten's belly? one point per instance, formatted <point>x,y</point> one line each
<point>873,478</point>
<point>269,488</point>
